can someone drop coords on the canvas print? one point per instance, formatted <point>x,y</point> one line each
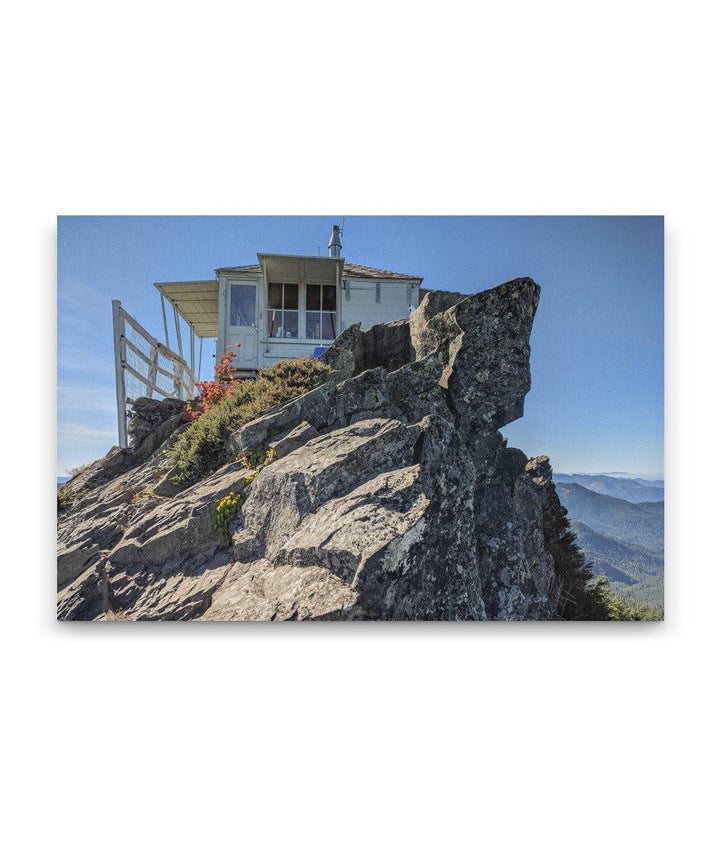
<point>360,419</point>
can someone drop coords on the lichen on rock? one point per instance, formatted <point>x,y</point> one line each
<point>392,494</point>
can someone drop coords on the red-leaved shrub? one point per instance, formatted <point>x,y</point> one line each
<point>210,392</point>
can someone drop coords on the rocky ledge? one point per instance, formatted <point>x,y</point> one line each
<point>392,495</point>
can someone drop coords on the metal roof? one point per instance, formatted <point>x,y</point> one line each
<point>196,302</point>
<point>241,269</point>
<point>355,271</point>
<point>282,268</point>
<point>364,272</point>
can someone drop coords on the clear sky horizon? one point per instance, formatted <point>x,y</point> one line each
<point>596,403</point>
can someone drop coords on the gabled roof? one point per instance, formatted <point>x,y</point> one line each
<point>354,271</point>
<point>364,272</point>
<point>241,269</point>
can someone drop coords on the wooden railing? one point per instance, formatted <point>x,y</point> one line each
<point>146,369</point>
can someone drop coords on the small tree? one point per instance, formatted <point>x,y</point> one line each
<point>580,600</point>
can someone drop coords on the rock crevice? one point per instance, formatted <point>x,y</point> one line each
<point>392,494</point>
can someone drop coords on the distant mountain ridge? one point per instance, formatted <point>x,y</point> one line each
<point>624,540</point>
<point>630,489</point>
<point>637,523</point>
<point>654,477</point>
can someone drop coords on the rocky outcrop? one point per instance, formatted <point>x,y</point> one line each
<point>151,419</point>
<point>392,495</point>
<point>152,425</point>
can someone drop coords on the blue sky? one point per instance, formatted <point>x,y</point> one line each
<point>596,402</point>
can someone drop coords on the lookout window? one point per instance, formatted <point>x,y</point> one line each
<point>283,310</point>
<point>321,312</point>
<point>242,305</point>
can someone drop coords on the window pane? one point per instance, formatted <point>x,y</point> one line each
<point>291,296</point>
<point>242,305</point>
<point>328,326</point>
<point>290,324</point>
<point>313,297</point>
<point>329,295</point>
<point>312,325</point>
<point>274,295</point>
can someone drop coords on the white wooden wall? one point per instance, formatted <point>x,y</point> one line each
<point>365,301</point>
<point>376,302</point>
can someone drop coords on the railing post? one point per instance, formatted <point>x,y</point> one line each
<point>183,375</point>
<point>162,303</point>
<point>152,373</point>
<point>118,337</point>
<point>177,332</point>
<point>177,372</point>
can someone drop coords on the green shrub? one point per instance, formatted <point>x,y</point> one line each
<point>227,508</point>
<point>258,459</point>
<point>145,495</point>
<point>225,512</point>
<point>618,609</point>
<point>65,497</point>
<point>202,448</point>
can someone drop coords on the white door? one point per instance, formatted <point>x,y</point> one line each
<point>242,326</point>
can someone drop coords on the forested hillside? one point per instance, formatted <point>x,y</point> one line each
<point>638,524</point>
<point>634,573</point>
<point>623,540</point>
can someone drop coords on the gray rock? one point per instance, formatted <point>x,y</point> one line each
<point>341,355</point>
<point>324,468</point>
<point>100,514</point>
<point>85,598</point>
<point>148,414</point>
<point>167,486</point>
<point>393,495</point>
<point>315,407</point>
<point>179,526</point>
<point>386,345</point>
<point>290,440</point>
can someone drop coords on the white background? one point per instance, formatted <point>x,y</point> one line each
<point>359,739</point>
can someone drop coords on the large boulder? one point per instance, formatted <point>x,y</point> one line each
<point>148,414</point>
<point>392,495</point>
